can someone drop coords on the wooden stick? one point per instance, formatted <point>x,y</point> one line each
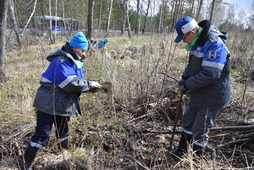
<point>176,120</point>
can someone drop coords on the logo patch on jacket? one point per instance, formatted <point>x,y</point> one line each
<point>212,55</point>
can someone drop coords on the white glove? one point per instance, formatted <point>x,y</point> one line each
<point>94,84</point>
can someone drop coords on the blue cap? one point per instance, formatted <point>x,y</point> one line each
<point>79,41</point>
<point>183,26</point>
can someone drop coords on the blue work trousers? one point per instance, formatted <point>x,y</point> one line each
<point>44,126</point>
<point>198,122</point>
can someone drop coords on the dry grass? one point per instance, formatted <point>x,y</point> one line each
<point>143,70</point>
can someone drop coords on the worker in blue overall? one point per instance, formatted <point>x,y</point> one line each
<point>57,98</point>
<point>206,78</point>
<point>102,44</point>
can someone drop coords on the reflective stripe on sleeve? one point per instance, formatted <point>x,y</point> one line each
<point>213,64</point>
<point>45,80</point>
<point>197,54</point>
<point>66,81</point>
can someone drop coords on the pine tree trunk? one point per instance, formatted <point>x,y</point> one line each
<point>90,19</point>
<point>146,16</point>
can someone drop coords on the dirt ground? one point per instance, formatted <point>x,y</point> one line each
<point>140,140</point>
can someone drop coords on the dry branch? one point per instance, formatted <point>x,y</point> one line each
<point>179,130</point>
<point>239,139</point>
<point>233,128</point>
<point>232,142</point>
<point>133,159</point>
<point>143,116</point>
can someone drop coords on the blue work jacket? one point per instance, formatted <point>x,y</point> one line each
<point>62,84</point>
<point>207,74</point>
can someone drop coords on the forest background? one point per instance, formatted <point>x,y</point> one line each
<point>132,126</point>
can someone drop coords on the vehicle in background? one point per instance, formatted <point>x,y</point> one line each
<point>54,23</point>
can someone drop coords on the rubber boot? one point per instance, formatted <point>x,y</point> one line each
<point>29,156</point>
<point>182,147</point>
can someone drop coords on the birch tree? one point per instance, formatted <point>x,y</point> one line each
<point>217,12</point>
<point>171,24</point>
<point>52,40</point>
<point>127,18</point>
<point>212,8</point>
<point>138,18</point>
<point>199,9</point>
<point>14,22</point>
<point>109,15</point>
<point>251,18</point>
<point>176,8</point>
<point>20,34</point>
<point>3,13</point>
<point>192,8</point>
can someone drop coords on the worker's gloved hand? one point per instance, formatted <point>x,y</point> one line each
<point>95,85</point>
<point>181,82</point>
<point>183,89</point>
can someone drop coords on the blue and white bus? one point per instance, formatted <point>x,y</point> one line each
<point>57,23</point>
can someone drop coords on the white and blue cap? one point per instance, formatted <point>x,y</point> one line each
<point>183,26</point>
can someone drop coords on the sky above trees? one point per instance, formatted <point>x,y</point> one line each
<point>244,4</point>
<point>244,9</point>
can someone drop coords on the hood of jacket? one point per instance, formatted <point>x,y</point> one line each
<point>210,32</point>
<point>65,50</point>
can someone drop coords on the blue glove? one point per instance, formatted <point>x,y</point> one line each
<point>95,85</point>
<point>183,89</point>
<point>181,82</point>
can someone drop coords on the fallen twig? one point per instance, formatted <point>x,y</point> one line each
<point>143,116</point>
<point>133,159</point>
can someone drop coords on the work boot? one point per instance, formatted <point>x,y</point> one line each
<point>198,150</point>
<point>182,147</point>
<point>29,156</point>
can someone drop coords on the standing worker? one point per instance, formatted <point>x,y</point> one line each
<point>206,77</point>
<point>57,98</point>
